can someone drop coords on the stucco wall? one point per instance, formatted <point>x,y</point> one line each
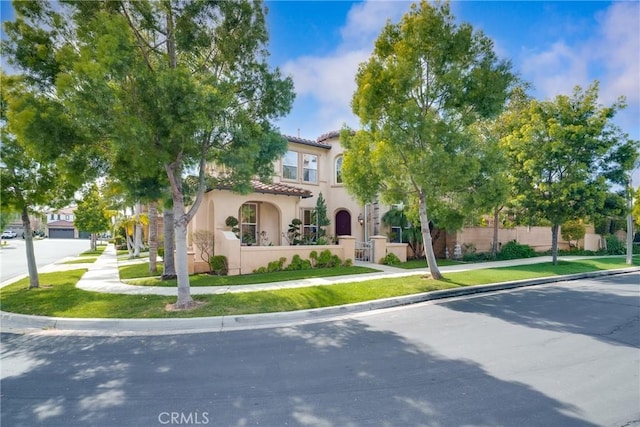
<point>538,238</point>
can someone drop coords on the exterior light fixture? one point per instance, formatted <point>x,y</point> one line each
<point>360,219</point>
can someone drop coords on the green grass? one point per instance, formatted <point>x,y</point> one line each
<point>421,263</point>
<point>99,250</point>
<point>84,260</point>
<point>59,297</point>
<point>130,272</point>
<point>138,270</point>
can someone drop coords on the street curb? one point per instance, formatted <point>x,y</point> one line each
<point>22,323</point>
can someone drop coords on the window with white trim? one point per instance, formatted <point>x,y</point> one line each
<point>290,165</point>
<point>338,176</point>
<point>249,223</point>
<point>308,225</point>
<point>310,168</point>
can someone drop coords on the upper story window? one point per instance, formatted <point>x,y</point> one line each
<point>339,170</point>
<point>290,165</point>
<point>310,168</point>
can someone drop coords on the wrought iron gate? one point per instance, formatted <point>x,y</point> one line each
<point>364,251</point>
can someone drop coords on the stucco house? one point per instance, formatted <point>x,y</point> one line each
<point>309,167</point>
<point>60,224</point>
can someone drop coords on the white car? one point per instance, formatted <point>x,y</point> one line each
<point>9,234</point>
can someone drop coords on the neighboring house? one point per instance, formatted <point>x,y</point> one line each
<point>60,225</point>
<point>15,223</point>
<point>309,167</point>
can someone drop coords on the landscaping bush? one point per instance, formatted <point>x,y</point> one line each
<point>327,260</point>
<point>515,250</point>
<point>478,257</point>
<point>390,259</point>
<point>314,258</point>
<point>615,246</point>
<point>276,265</point>
<point>347,262</point>
<point>219,265</point>
<point>298,263</point>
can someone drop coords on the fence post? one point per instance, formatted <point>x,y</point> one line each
<point>348,244</point>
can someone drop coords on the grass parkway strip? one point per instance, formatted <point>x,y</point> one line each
<point>58,296</point>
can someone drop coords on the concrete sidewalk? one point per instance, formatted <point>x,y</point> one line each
<point>103,276</point>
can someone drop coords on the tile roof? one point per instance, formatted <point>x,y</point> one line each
<point>273,188</point>
<point>60,224</point>
<point>298,140</point>
<point>329,135</point>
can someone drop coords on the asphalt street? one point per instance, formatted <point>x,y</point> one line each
<point>13,257</point>
<point>564,354</point>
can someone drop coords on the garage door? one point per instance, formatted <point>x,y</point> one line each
<point>61,233</point>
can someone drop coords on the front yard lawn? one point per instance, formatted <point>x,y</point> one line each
<point>422,263</point>
<point>58,296</point>
<point>141,272</point>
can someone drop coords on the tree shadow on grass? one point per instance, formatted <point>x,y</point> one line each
<point>331,375</point>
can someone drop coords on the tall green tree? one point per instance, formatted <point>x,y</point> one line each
<point>91,214</point>
<point>35,173</point>
<point>427,81</point>
<point>320,217</point>
<point>178,85</point>
<point>564,153</point>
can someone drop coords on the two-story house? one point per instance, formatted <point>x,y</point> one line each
<point>308,168</point>
<point>60,224</point>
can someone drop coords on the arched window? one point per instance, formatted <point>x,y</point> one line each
<point>339,170</point>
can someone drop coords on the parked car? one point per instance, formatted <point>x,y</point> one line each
<point>9,234</point>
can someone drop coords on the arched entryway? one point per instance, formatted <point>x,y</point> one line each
<point>343,223</point>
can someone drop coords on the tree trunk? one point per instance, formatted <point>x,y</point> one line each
<point>182,263</point>
<point>426,237</point>
<point>34,281</point>
<point>169,266</point>
<point>494,244</point>
<point>137,232</point>
<point>554,243</point>
<point>153,237</point>
<point>93,240</point>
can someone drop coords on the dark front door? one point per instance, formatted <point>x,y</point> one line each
<point>343,223</point>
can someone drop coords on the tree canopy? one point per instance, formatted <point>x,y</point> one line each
<point>168,86</point>
<point>564,153</point>
<point>426,83</point>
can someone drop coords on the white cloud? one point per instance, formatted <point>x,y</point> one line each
<point>330,80</point>
<point>611,56</point>
<point>557,70</point>
<point>618,47</point>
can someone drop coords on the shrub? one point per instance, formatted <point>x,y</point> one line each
<point>515,250</point>
<point>572,231</point>
<point>325,259</point>
<point>276,265</point>
<point>298,263</point>
<point>314,258</point>
<point>347,262</point>
<point>478,257</point>
<point>614,246</point>
<point>219,265</point>
<point>390,259</point>
<point>336,261</point>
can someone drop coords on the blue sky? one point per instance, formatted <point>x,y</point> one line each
<point>552,45</point>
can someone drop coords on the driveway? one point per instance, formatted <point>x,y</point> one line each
<point>565,354</point>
